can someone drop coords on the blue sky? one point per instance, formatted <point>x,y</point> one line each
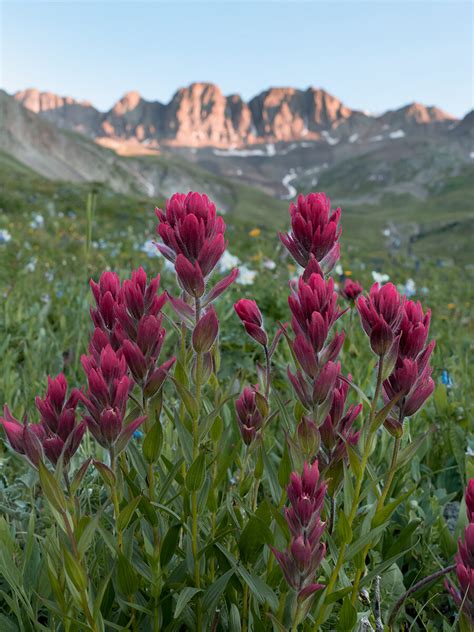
<point>372,55</point>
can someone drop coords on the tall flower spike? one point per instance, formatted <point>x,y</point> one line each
<point>314,231</point>
<point>411,376</point>
<point>463,594</point>
<point>300,561</point>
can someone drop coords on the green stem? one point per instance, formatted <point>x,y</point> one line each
<point>357,490</point>
<point>380,504</point>
<point>115,499</point>
<point>82,591</point>
<point>194,496</point>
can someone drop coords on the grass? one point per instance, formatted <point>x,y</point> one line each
<point>44,326</point>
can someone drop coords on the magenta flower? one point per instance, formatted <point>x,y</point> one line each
<point>411,375</point>
<point>470,500</point>
<point>106,399</point>
<point>252,410</point>
<point>414,329</point>
<point>107,296</point>
<point>251,317</point>
<point>351,290</point>
<point>57,434</point>
<point>205,331</point>
<point>191,228</point>
<point>314,231</point>
<point>463,594</point>
<point>313,305</point>
<point>337,429</point>
<point>301,560</point>
<point>381,315</point>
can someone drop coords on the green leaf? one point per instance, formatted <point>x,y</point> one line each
<point>127,512</point>
<point>106,473</point>
<point>362,541</point>
<point>74,570</point>
<point>184,598</point>
<point>408,453</point>
<point>384,513</point>
<point>354,459</point>
<point>343,527</point>
<point>169,544</point>
<point>51,489</point>
<point>76,481</point>
<point>261,591</point>
<point>382,415</point>
<point>235,624</point>
<point>127,579</point>
<point>87,534</point>
<point>253,538</point>
<point>196,473</point>
<point>187,398</point>
<point>213,593</point>
<point>153,443</point>
<point>347,617</point>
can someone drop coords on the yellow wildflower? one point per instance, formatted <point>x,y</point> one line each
<point>255,232</point>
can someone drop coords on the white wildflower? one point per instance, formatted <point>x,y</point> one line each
<point>246,276</point>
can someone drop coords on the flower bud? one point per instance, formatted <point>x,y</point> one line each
<point>309,439</point>
<point>251,317</point>
<point>190,276</point>
<point>205,332</point>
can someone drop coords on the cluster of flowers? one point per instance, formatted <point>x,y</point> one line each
<point>300,562</point>
<point>464,594</point>
<point>397,329</point>
<point>398,332</point>
<point>128,337</point>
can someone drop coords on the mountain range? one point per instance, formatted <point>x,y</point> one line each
<point>199,116</point>
<point>282,141</point>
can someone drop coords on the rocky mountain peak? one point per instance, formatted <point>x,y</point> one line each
<point>127,103</point>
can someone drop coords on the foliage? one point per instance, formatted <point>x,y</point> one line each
<point>178,536</point>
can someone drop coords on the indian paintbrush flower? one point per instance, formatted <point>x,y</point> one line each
<point>106,399</point>
<point>190,227</point>
<point>463,594</point>
<point>193,240</point>
<point>252,411</point>
<point>300,561</point>
<point>314,231</point>
<point>205,331</point>
<point>351,290</point>
<point>251,318</point>
<point>57,434</point>
<point>381,314</point>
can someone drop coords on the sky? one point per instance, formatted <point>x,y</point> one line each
<point>373,56</point>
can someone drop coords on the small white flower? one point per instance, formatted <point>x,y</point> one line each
<point>246,276</point>
<point>49,276</point>
<point>37,221</point>
<point>378,277</point>
<point>386,232</point>
<point>228,261</point>
<point>338,269</point>
<point>268,264</point>
<point>31,265</point>
<point>5,236</point>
